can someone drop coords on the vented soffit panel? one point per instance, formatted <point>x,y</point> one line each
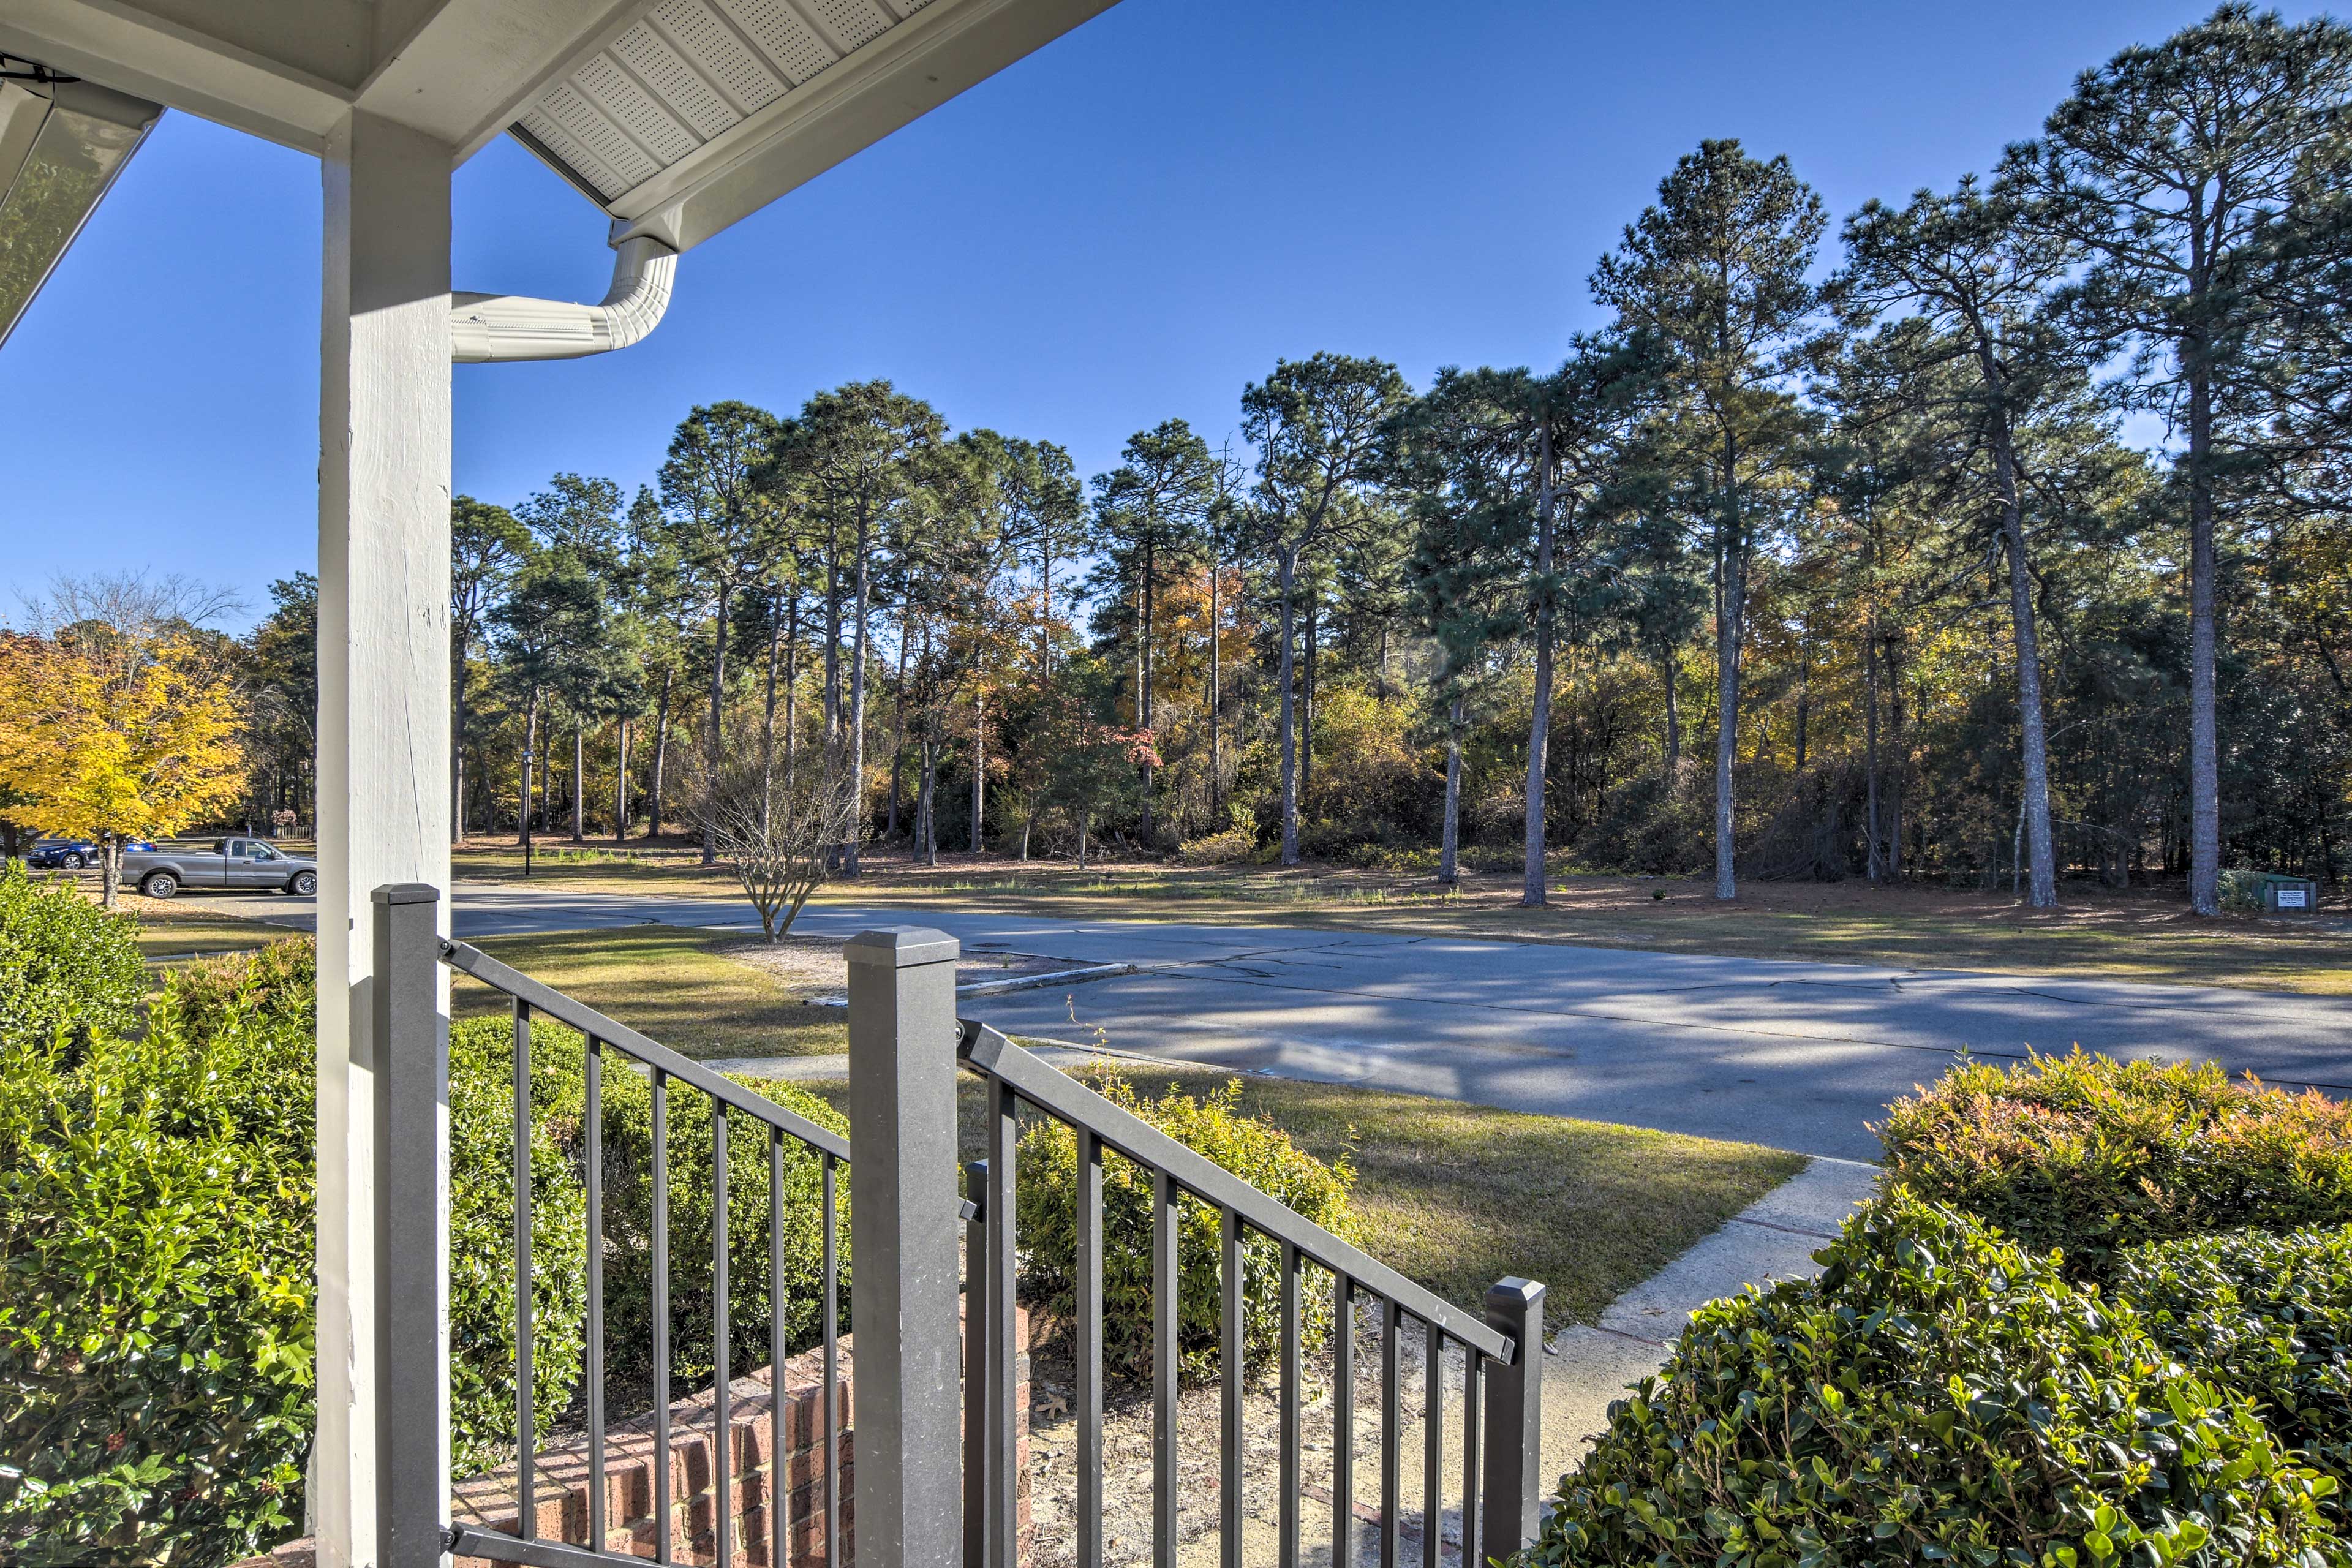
<point>694,113</point>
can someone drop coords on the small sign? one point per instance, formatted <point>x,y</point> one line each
<point>2294,898</point>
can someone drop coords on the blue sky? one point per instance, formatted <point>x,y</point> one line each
<point>1129,224</point>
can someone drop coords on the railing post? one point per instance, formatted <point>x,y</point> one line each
<point>1513,1494</point>
<point>412,1230</point>
<point>903,1212</point>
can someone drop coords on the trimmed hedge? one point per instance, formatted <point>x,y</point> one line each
<point>2085,1156</point>
<point>65,963</point>
<point>1939,1395</point>
<point>1251,1148</point>
<point>2267,1316</point>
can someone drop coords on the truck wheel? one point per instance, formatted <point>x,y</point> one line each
<point>158,883</point>
<point>71,862</point>
<point>304,885</point>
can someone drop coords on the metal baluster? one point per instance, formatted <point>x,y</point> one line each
<point>1474,1385</point>
<point>1164,1372</point>
<point>1229,1479</point>
<point>1003,1109</point>
<point>832,1369</point>
<point>1433,1458</point>
<point>779,1471</point>
<point>722,1504</point>
<point>975,1368</point>
<point>1343,1423</point>
<point>595,1160</point>
<point>1287,1504</point>
<point>1392,1431</point>
<point>1090,1349</point>
<point>662,1482</point>
<point>526,1422</point>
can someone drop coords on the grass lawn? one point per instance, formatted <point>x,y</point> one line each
<point>2141,934</point>
<point>675,985</point>
<point>1456,1196</point>
<point>173,930</point>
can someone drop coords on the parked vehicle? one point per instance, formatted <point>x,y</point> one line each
<point>251,864</point>
<point>73,854</point>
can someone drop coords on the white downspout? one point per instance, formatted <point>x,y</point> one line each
<point>483,328</point>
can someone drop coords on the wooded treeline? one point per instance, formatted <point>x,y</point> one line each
<point>1829,556</point>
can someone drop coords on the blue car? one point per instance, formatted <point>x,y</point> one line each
<point>73,854</point>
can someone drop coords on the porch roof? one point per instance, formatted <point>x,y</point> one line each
<point>677,117</point>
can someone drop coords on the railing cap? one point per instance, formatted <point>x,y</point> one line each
<point>901,947</point>
<point>407,893</point>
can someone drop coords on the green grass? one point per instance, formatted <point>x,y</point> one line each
<point>1458,1197</point>
<point>669,985</point>
<point>168,932</point>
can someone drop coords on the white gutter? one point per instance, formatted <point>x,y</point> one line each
<point>485,328</point>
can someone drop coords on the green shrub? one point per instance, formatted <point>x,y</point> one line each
<point>65,963</point>
<point>155,1359</point>
<point>1939,1395</point>
<point>1223,848</point>
<point>2086,1155</point>
<point>156,1244</point>
<point>1251,1148</point>
<point>2267,1316</point>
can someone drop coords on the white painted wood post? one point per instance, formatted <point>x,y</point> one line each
<point>384,719</point>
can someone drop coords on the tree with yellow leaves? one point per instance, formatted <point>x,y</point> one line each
<point>108,736</point>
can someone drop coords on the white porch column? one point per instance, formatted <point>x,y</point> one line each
<point>384,716</point>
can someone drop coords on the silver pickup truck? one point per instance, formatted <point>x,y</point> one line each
<point>244,863</point>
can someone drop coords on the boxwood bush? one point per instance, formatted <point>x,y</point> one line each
<point>65,963</point>
<point>1939,1395</point>
<point>2267,1316</point>
<point>1251,1148</point>
<point>2086,1156</point>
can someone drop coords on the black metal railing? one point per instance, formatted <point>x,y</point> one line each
<point>665,1070</point>
<point>1501,1352</point>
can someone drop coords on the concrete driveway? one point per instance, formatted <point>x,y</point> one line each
<point>1797,1055</point>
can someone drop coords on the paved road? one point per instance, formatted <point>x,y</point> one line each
<point>1798,1056</point>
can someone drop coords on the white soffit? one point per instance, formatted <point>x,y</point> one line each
<point>694,113</point>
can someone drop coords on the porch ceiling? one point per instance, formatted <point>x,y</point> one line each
<point>677,117</point>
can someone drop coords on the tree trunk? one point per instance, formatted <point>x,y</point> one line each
<point>2204,734</point>
<point>926,832</point>
<point>661,754</point>
<point>1083,824</point>
<point>768,725</point>
<point>1871,851</point>
<point>1731,573</point>
<point>1143,670</point>
<point>2036,801</point>
<point>579,781</point>
<point>1306,705</point>
<point>898,729</point>
<point>1804,700</point>
<point>1448,871</point>
<point>791,686</point>
<point>1900,775</point>
<point>529,746</point>
<point>110,863</point>
<point>457,746</point>
<point>621,786</point>
<point>1673,666</point>
<point>857,761</point>
<point>1285,569</point>
<point>1216,757</point>
<point>1531,887</point>
<point>979,760</point>
<point>714,744</point>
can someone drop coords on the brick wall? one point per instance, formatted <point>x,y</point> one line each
<point>489,1501</point>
